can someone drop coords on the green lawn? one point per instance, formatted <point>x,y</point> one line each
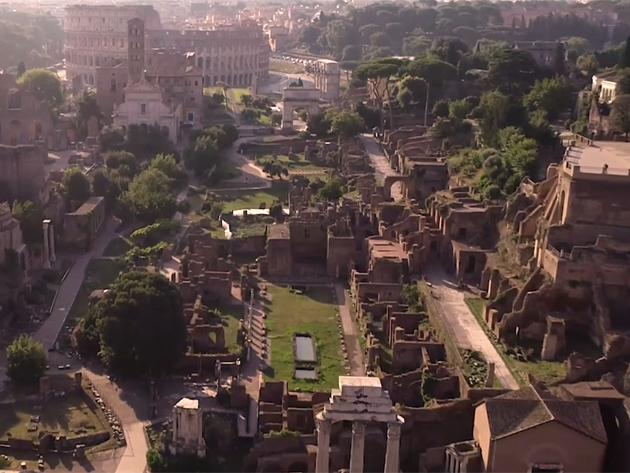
<point>231,316</point>
<point>69,415</point>
<point>313,312</point>
<point>298,163</point>
<point>119,246</point>
<point>251,199</point>
<point>100,274</point>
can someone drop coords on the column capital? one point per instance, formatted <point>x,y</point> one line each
<point>323,425</point>
<point>393,431</point>
<point>358,427</point>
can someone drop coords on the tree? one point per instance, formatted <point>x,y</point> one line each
<point>149,196</point>
<point>498,111</point>
<point>345,124</point>
<point>309,35</point>
<point>87,107</point>
<point>623,82</point>
<point>76,185</point>
<point>141,325</point>
<point>332,191</point>
<point>317,124</point>
<point>275,168</point>
<point>620,115</point>
<point>246,100</point>
<point>434,71</point>
<point>588,64</point>
<point>26,360</point>
<point>559,58</point>
<point>203,156</point>
<point>166,164</point>
<point>21,69</point>
<point>276,118</point>
<point>554,96</point>
<point>45,85</point>
<point>378,74</point>
<point>513,66</point>
<point>624,57</point>
<point>30,217</point>
<point>124,161</point>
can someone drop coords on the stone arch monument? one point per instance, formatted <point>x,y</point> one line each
<point>295,97</point>
<point>362,400</point>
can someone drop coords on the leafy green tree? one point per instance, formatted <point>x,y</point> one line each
<point>26,360</point>
<point>317,124</point>
<point>203,156</point>
<point>149,196</point>
<point>378,74</point>
<point>345,124</point>
<point>498,111</point>
<point>440,109</point>
<point>246,100</point>
<point>588,64</point>
<point>332,191</point>
<point>275,168</point>
<point>276,118</point>
<point>141,325</point>
<point>620,115</point>
<point>76,185</point>
<point>624,57</point>
<point>554,96</point>
<point>124,161</point>
<point>21,69</point>
<point>166,163</point>
<point>513,67</point>
<point>44,84</point>
<point>434,71</point>
<point>623,82</point>
<point>87,107</point>
<point>30,217</point>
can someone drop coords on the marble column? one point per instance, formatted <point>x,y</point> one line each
<point>51,232</point>
<point>392,456</point>
<point>323,446</point>
<point>358,447</point>
<point>46,225</point>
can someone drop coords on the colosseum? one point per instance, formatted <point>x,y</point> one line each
<point>97,35</point>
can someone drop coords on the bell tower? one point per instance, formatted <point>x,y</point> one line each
<point>135,50</point>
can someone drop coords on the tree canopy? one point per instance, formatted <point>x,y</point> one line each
<point>44,84</point>
<point>149,196</point>
<point>141,325</point>
<point>26,360</point>
<point>76,185</point>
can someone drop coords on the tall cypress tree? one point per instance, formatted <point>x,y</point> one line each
<point>624,58</point>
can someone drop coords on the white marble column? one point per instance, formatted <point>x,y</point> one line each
<point>392,456</point>
<point>358,447</point>
<point>51,233</point>
<point>323,446</point>
<point>46,225</point>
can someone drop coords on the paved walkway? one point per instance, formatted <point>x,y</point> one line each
<point>350,333</point>
<point>381,165</point>
<point>462,324</point>
<point>49,331</point>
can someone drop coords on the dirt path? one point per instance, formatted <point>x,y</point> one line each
<point>350,333</point>
<point>462,324</point>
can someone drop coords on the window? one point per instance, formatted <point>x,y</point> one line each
<point>462,232</point>
<point>191,117</point>
<point>196,83</point>
<point>143,109</point>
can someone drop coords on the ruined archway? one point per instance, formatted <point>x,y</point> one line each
<point>294,98</point>
<point>395,186</point>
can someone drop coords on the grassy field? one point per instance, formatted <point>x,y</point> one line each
<point>314,313</point>
<point>231,315</point>
<point>299,163</point>
<point>69,415</point>
<point>251,199</point>
<point>546,371</point>
<point>99,274</point>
